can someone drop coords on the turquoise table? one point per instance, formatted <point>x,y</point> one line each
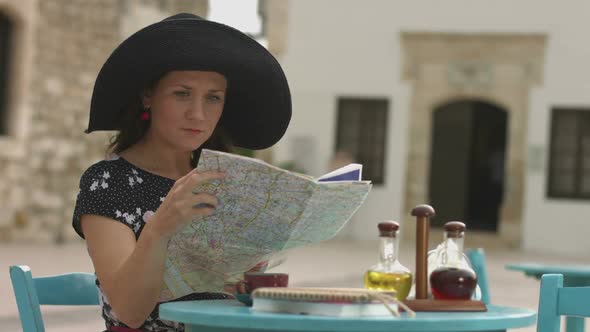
<point>230,315</point>
<point>573,276</point>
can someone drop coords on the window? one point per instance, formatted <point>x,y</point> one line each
<point>569,159</point>
<point>5,51</point>
<point>361,132</point>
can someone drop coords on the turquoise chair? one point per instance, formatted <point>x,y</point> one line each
<point>478,262</point>
<point>556,301</point>
<point>64,289</point>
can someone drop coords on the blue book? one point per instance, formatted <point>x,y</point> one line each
<point>350,172</point>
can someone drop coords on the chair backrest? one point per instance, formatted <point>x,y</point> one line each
<point>556,301</point>
<point>65,289</point>
<point>477,258</point>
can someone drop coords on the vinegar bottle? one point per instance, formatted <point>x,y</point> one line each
<point>389,274</point>
<point>451,276</point>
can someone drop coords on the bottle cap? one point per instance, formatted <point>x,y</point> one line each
<point>423,210</point>
<point>454,228</point>
<point>388,228</point>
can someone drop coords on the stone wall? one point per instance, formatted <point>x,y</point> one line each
<point>21,15</point>
<point>71,40</point>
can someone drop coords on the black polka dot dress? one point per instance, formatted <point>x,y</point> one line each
<point>116,189</point>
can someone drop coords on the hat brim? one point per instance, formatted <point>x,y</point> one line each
<point>257,109</point>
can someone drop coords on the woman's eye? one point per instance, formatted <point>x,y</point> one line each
<point>214,98</point>
<point>182,93</point>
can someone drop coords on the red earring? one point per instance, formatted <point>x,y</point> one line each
<point>145,115</point>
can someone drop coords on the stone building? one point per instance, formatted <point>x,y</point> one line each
<point>52,54</point>
<point>479,109</point>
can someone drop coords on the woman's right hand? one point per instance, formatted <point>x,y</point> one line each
<point>181,205</point>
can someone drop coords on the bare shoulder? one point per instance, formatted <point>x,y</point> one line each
<point>109,243</point>
<point>106,230</point>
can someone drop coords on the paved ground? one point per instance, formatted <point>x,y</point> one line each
<point>332,263</point>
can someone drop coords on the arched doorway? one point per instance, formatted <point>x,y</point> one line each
<point>466,179</point>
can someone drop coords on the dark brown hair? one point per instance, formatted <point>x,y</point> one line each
<point>132,128</point>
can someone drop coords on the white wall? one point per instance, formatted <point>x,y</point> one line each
<point>351,48</point>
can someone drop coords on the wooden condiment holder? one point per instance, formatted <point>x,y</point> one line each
<point>423,213</point>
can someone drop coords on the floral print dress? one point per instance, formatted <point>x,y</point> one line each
<point>118,190</point>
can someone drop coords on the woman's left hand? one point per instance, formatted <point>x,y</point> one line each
<point>260,267</point>
<point>239,287</point>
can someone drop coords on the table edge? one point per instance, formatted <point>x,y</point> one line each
<point>526,317</point>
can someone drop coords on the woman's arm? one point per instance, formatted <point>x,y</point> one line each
<point>131,272</point>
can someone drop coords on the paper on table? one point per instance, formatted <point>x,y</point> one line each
<point>325,301</point>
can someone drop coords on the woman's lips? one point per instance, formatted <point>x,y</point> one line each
<point>193,131</point>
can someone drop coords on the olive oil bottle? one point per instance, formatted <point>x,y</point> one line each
<point>389,274</point>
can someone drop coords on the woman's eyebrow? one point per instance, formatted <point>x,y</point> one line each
<point>190,88</point>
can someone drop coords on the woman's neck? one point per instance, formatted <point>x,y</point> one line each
<point>158,159</point>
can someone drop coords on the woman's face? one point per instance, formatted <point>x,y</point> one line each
<point>185,108</point>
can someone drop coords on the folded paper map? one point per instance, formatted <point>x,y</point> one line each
<point>262,210</point>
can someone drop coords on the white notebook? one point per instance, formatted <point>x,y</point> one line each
<point>322,308</point>
<point>340,302</point>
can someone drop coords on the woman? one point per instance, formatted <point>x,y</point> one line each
<point>171,89</point>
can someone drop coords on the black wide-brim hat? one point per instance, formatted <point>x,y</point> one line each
<point>257,108</point>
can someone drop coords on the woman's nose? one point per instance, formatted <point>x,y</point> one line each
<point>196,111</point>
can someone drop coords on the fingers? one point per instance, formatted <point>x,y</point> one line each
<point>198,182</point>
<point>202,177</point>
<point>204,200</point>
<point>260,267</point>
<point>188,203</point>
<point>187,176</point>
<point>204,204</point>
<point>195,177</point>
